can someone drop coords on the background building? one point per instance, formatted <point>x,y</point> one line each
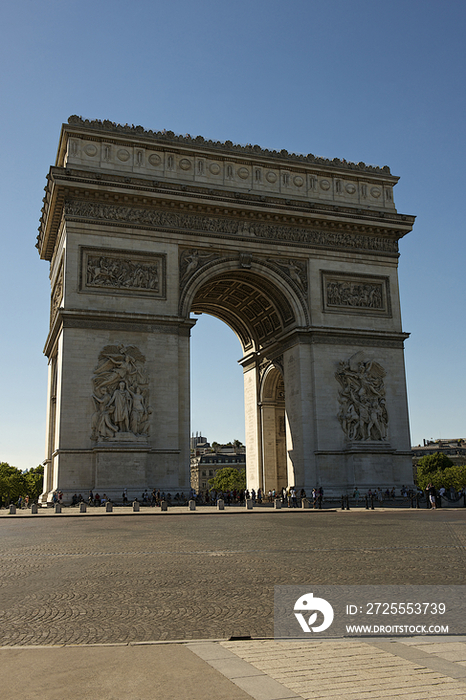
<point>454,448</point>
<point>206,462</point>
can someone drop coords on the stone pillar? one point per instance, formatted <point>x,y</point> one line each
<point>254,477</point>
<point>34,509</point>
<point>277,503</point>
<point>163,505</point>
<point>12,509</point>
<point>220,504</point>
<point>300,430</point>
<point>57,507</point>
<point>135,506</point>
<point>249,504</point>
<point>82,507</point>
<point>192,505</point>
<point>109,507</point>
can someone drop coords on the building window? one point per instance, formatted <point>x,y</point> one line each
<point>204,473</point>
<point>211,472</point>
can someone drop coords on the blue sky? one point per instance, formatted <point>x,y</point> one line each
<point>382,83</point>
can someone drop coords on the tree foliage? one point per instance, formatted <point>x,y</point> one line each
<point>433,463</point>
<point>439,470</point>
<point>228,479</point>
<point>15,483</point>
<point>450,476</point>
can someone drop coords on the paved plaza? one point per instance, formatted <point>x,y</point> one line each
<point>133,584</point>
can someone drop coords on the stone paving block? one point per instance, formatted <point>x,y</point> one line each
<point>264,688</point>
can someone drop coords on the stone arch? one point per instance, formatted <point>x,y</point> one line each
<point>273,429</point>
<point>253,297</point>
<point>252,237</point>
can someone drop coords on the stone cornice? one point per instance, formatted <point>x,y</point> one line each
<point>373,236</point>
<point>169,138</point>
<point>335,336</point>
<point>117,321</point>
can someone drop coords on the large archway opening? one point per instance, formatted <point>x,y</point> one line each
<point>217,393</point>
<point>259,314</point>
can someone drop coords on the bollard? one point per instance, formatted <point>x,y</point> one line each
<point>305,503</point>
<point>418,505</point>
<point>220,504</point>
<point>34,509</point>
<point>249,504</point>
<point>82,507</point>
<point>343,503</point>
<point>277,503</point>
<point>192,504</point>
<point>372,502</point>
<point>367,501</point>
<point>12,509</point>
<point>464,499</point>
<point>163,505</point>
<point>347,503</point>
<point>109,507</point>
<point>135,506</point>
<point>57,507</point>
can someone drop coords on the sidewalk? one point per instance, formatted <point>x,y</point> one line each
<point>412,669</point>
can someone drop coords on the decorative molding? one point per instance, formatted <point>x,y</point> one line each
<point>352,293</point>
<point>114,214</point>
<point>170,138</point>
<point>363,413</point>
<point>120,396</point>
<point>123,272</point>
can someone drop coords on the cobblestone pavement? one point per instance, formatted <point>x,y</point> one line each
<point>81,580</point>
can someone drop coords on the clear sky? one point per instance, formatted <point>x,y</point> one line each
<point>379,82</point>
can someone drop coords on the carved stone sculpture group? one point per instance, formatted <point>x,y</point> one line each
<point>363,413</point>
<point>121,395</point>
<point>118,273</point>
<point>368,296</point>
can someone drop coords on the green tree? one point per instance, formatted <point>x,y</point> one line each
<point>451,476</point>
<point>34,479</point>
<point>12,483</point>
<point>228,479</point>
<point>431,468</point>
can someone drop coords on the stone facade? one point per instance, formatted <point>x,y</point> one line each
<point>295,253</point>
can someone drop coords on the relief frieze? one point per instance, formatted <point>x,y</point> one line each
<point>57,295</point>
<point>363,413</point>
<point>120,396</point>
<point>123,271</point>
<point>113,213</point>
<point>354,293</point>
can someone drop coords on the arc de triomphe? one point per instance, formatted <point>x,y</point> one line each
<point>297,254</point>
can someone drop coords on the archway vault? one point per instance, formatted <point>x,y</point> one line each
<point>257,302</point>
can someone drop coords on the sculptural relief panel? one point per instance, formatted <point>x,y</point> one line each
<point>363,413</point>
<point>355,294</point>
<point>57,295</point>
<point>120,396</point>
<point>122,272</point>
